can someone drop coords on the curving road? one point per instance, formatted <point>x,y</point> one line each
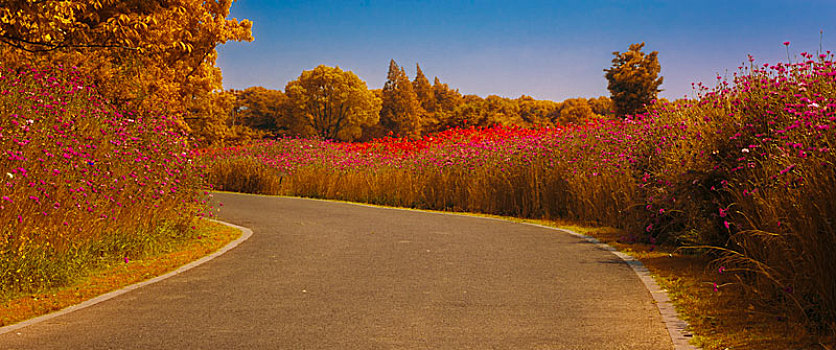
<point>326,275</point>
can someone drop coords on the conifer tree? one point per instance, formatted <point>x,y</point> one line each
<point>401,110</point>
<point>423,90</point>
<point>426,97</point>
<point>633,80</point>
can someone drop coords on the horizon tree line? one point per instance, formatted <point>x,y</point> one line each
<point>331,103</point>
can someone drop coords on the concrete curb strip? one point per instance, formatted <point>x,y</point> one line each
<point>677,328</point>
<point>245,234</point>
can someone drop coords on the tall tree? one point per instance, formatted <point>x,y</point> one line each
<point>331,103</point>
<point>423,90</point>
<point>401,111</point>
<point>154,54</point>
<point>633,80</point>
<point>426,97</point>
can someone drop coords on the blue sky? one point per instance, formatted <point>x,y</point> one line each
<point>545,49</point>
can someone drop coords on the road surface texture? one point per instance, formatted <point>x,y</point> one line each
<point>327,275</point>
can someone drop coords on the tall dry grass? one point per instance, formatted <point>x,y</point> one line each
<point>83,184</point>
<point>756,169</point>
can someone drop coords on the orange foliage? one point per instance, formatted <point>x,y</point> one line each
<point>153,54</point>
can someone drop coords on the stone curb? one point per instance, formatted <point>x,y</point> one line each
<point>677,328</point>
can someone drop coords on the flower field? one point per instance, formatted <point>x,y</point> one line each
<point>744,173</point>
<point>83,184</point>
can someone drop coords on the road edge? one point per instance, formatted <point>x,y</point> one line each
<point>245,234</point>
<point>677,327</point>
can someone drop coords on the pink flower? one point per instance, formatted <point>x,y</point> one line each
<point>787,169</point>
<point>786,43</point>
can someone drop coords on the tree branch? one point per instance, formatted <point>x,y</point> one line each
<point>21,43</point>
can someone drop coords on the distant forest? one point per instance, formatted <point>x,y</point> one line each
<point>335,104</point>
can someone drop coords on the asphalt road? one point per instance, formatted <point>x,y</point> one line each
<point>326,275</point>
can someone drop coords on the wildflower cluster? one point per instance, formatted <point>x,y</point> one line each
<point>75,172</point>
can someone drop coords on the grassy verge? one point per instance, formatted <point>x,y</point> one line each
<point>208,238</point>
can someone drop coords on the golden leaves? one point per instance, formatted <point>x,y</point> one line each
<point>331,103</point>
<point>633,79</point>
<point>143,51</point>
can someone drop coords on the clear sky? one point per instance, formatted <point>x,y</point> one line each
<point>545,49</point>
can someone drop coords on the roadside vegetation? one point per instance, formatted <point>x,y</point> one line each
<point>98,104</point>
<point>109,111</point>
<point>84,184</point>
<point>742,176</point>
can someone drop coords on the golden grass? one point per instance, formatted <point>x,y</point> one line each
<point>209,238</point>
